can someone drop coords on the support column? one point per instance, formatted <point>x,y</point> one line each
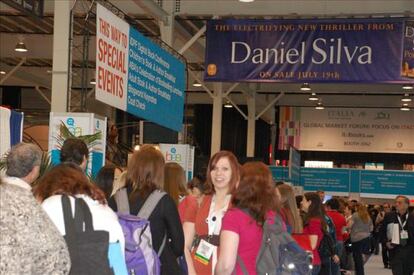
<point>217,118</point>
<point>273,132</point>
<point>251,123</point>
<point>61,56</point>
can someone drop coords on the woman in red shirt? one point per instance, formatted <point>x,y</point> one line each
<point>314,223</point>
<point>254,202</point>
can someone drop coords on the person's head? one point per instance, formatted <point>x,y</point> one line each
<point>256,191</point>
<point>74,150</point>
<point>174,181</point>
<point>146,171</point>
<point>67,179</point>
<point>362,212</point>
<point>386,207</point>
<point>23,161</point>
<point>401,204</point>
<point>312,205</point>
<point>321,195</point>
<point>106,178</point>
<point>223,173</point>
<point>288,202</point>
<point>196,186</point>
<point>333,204</point>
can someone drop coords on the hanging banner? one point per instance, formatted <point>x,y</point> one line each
<point>136,75</point>
<point>322,50</point>
<point>347,130</point>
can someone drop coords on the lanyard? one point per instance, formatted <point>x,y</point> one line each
<point>405,222</point>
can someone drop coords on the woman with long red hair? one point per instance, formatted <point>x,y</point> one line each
<point>254,202</point>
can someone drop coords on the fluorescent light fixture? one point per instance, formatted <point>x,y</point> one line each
<point>404,108</point>
<point>305,87</point>
<point>2,72</point>
<point>406,98</point>
<point>93,81</point>
<point>405,104</point>
<point>407,87</point>
<point>319,106</point>
<point>228,105</point>
<point>313,97</point>
<point>20,47</point>
<point>196,84</point>
<point>246,1</point>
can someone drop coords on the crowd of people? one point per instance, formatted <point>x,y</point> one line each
<point>209,225</point>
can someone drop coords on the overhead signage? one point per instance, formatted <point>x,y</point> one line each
<point>31,7</point>
<point>370,184</point>
<point>320,50</point>
<point>136,75</point>
<point>294,166</point>
<point>348,129</point>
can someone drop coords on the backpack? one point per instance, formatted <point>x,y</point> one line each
<point>327,246</point>
<point>279,253</point>
<point>140,256</point>
<point>88,248</point>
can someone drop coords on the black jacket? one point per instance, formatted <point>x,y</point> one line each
<point>392,218</point>
<point>164,218</point>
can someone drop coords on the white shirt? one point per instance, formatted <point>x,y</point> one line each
<point>102,215</point>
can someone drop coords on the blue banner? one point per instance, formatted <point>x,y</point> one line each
<point>323,50</point>
<point>385,183</point>
<point>156,83</point>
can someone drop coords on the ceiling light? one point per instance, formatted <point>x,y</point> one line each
<point>407,87</point>
<point>406,98</point>
<point>313,97</point>
<point>2,72</point>
<point>319,106</point>
<point>93,81</point>
<point>305,87</point>
<point>405,104</point>
<point>20,47</point>
<point>246,1</point>
<point>404,108</point>
<point>196,84</point>
<point>228,105</point>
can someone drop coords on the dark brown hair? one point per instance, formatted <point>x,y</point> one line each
<point>146,172</point>
<point>315,209</point>
<point>174,181</point>
<point>256,191</point>
<point>67,179</point>
<point>235,171</point>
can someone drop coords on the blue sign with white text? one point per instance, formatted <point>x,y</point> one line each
<point>320,50</point>
<point>156,83</point>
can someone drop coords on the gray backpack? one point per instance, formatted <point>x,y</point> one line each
<point>279,253</point>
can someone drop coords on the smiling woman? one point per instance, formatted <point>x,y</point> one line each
<point>202,224</point>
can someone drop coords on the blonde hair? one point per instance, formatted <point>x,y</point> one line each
<point>289,205</point>
<point>174,181</point>
<point>362,212</point>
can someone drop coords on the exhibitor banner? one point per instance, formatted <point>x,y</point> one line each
<point>320,50</point>
<point>347,129</point>
<point>136,75</point>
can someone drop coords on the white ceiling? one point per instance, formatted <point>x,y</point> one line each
<point>190,17</point>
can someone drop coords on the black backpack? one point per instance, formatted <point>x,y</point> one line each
<point>327,247</point>
<point>88,248</point>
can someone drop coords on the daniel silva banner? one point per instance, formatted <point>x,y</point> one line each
<point>334,50</point>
